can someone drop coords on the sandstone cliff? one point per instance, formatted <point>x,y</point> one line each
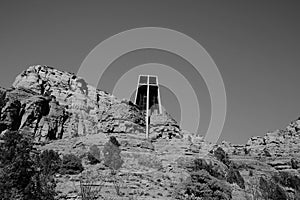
<point>52,104</point>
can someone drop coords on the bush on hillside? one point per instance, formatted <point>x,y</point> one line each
<point>71,164</point>
<point>295,163</point>
<point>20,174</point>
<point>201,185</point>
<point>49,162</point>
<point>222,156</point>
<point>111,152</point>
<point>215,169</point>
<point>270,189</point>
<point>94,155</point>
<point>288,179</point>
<point>234,176</point>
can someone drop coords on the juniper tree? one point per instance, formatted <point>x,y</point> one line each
<point>22,177</point>
<point>112,157</point>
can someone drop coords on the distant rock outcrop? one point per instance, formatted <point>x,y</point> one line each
<point>277,143</point>
<point>273,159</point>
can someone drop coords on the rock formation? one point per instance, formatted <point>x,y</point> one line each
<point>52,104</point>
<point>274,158</point>
<point>172,164</point>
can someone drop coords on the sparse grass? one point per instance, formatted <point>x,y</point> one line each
<point>150,161</point>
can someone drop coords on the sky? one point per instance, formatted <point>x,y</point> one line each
<point>255,45</point>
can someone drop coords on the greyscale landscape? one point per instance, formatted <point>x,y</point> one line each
<point>149,100</point>
<point>64,139</point>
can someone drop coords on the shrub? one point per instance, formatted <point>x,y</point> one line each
<point>111,152</point>
<point>201,185</point>
<point>234,176</point>
<point>71,164</point>
<point>288,180</point>
<point>215,169</point>
<point>92,160</point>
<point>270,189</point>
<point>222,156</point>
<point>94,155</point>
<point>252,191</point>
<point>295,163</point>
<point>49,162</point>
<point>20,177</point>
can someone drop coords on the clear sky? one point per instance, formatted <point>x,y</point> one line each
<point>255,45</point>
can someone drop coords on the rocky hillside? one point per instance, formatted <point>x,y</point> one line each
<point>52,104</point>
<point>191,168</point>
<point>275,157</point>
<point>74,118</point>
